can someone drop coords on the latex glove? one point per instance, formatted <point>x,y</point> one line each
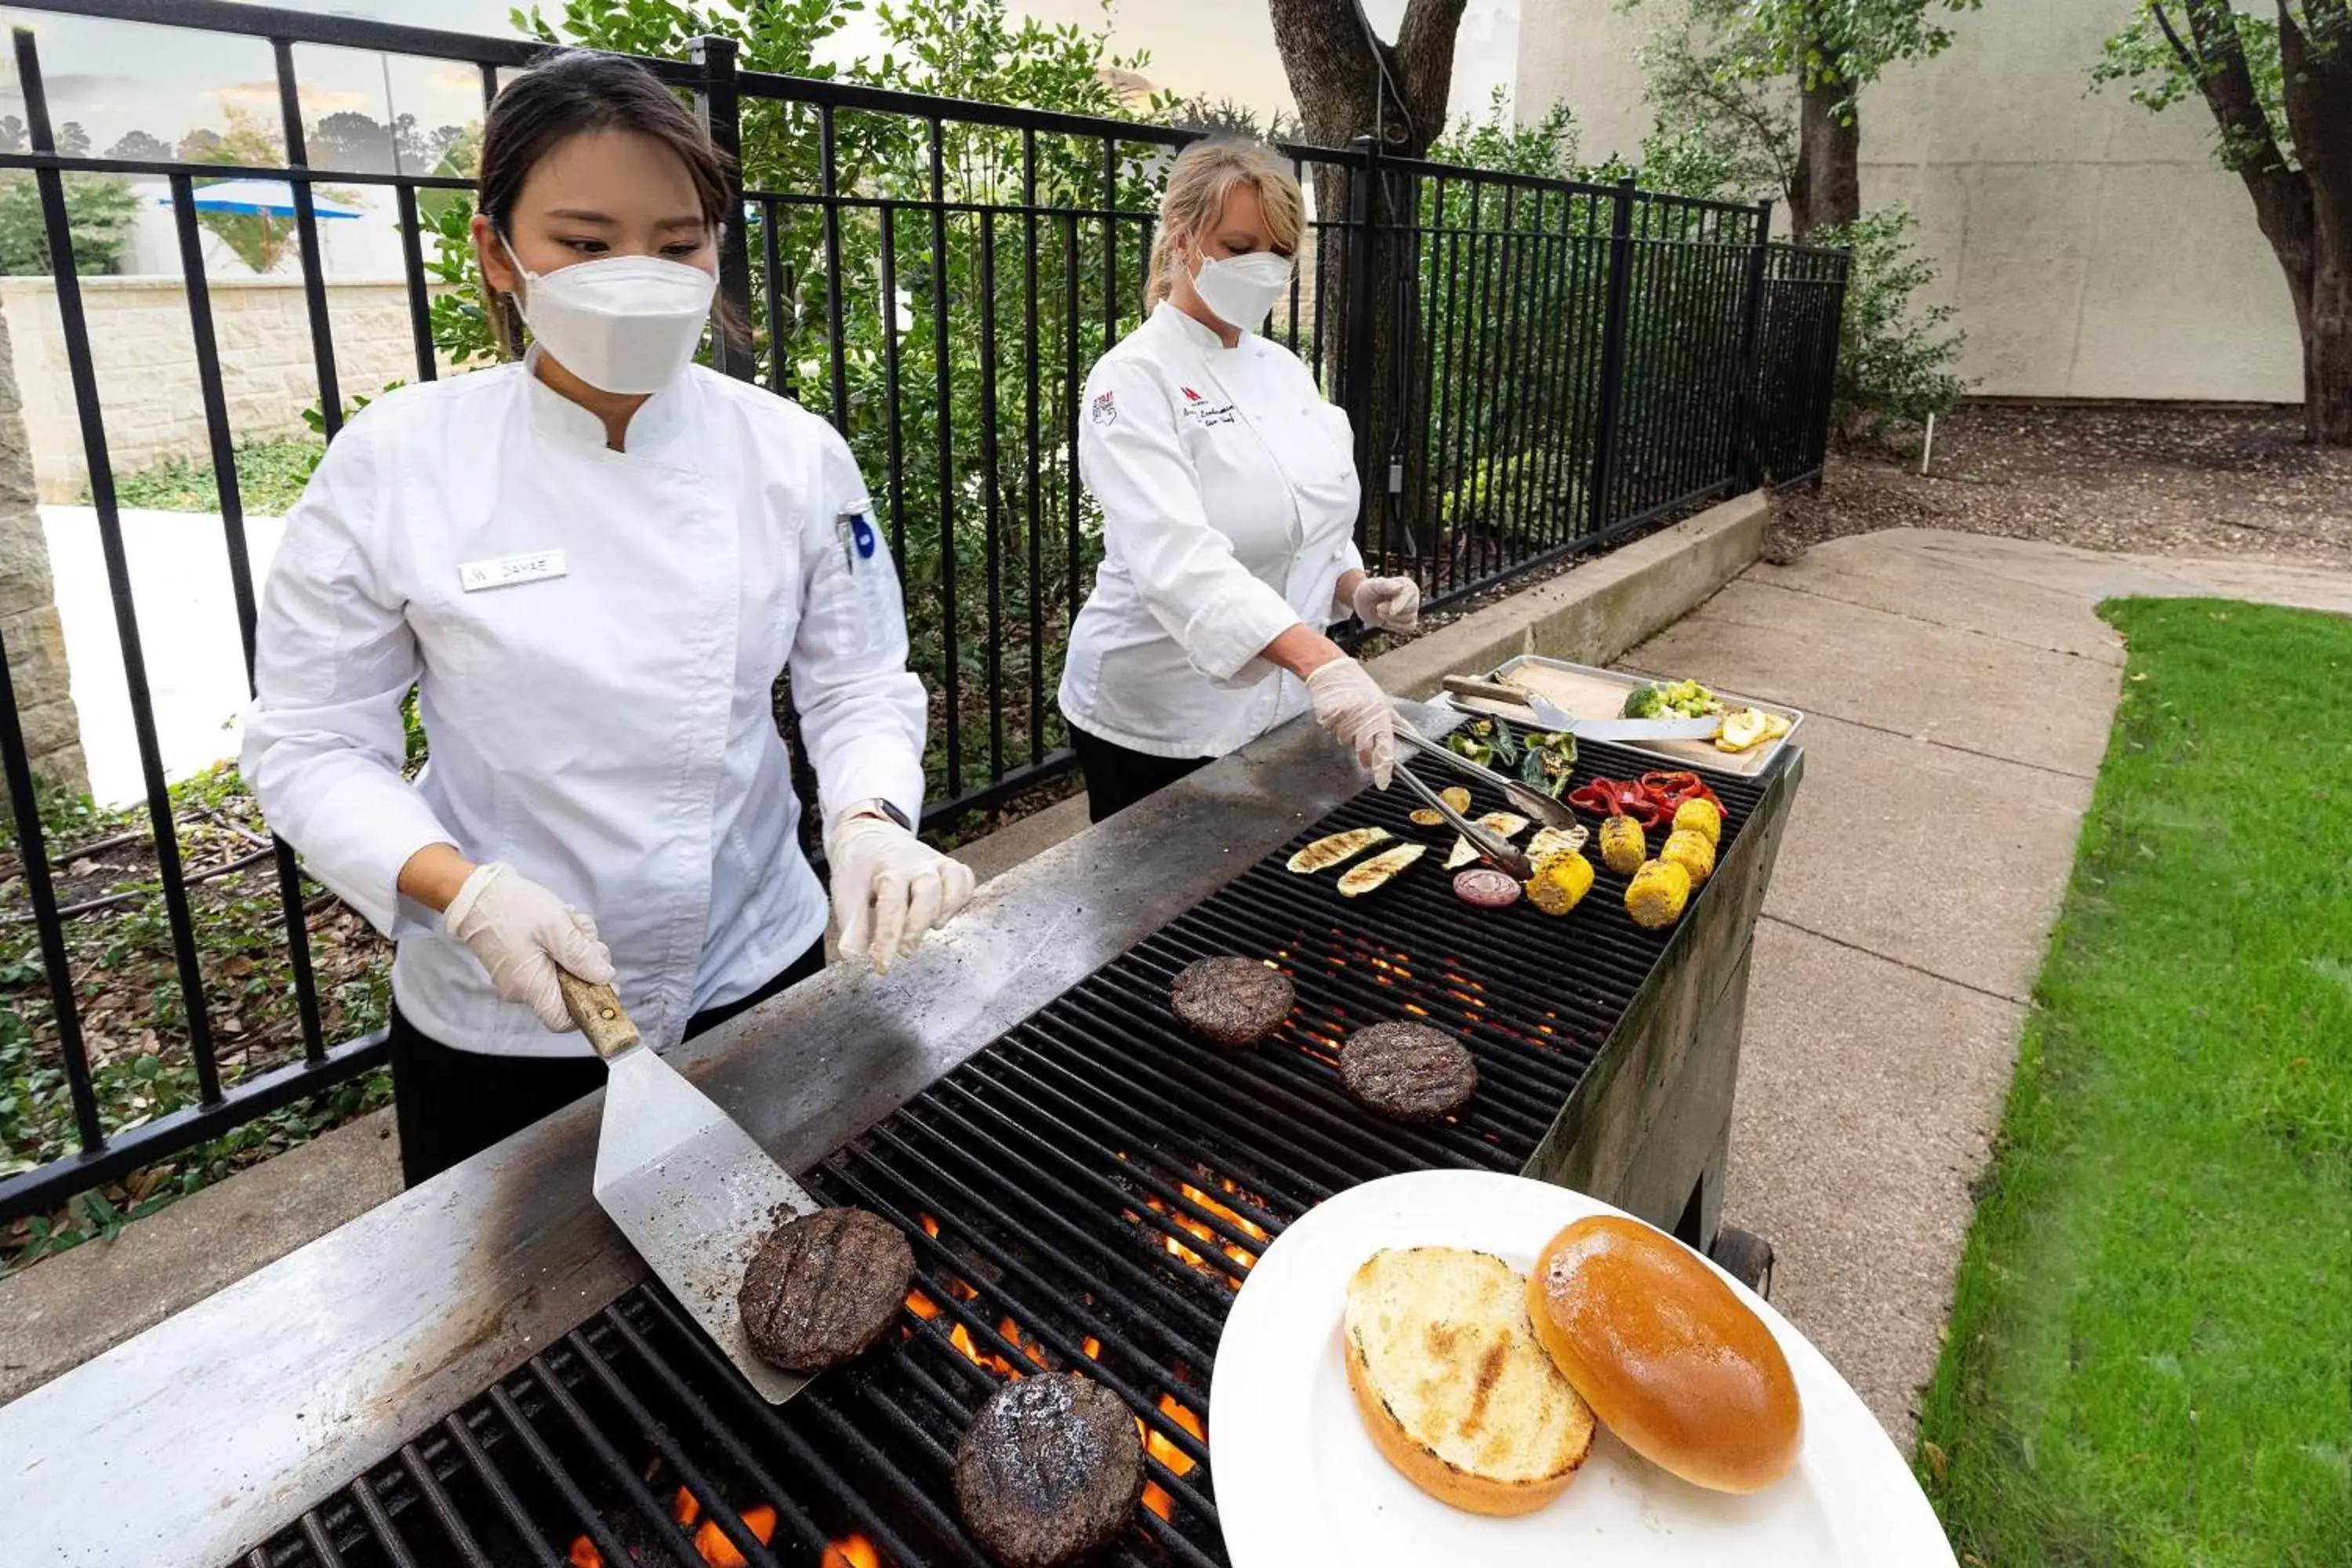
<point>521,931</point>
<point>1357,713</point>
<point>889,887</point>
<point>1388,603</point>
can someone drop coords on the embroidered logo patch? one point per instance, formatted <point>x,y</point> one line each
<point>1103,411</point>
<point>1191,395</point>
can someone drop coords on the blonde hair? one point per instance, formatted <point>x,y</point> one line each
<point>1200,180</point>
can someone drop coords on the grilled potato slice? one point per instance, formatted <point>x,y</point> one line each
<point>1329,851</point>
<point>1550,841</point>
<point>1375,871</point>
<point>1503,825</point>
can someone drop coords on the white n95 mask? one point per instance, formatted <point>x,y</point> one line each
<point>1242,290</point>
<point>621,324</point>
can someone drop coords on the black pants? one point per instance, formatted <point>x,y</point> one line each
<point>452,1104</point>
<point>1117,778</point>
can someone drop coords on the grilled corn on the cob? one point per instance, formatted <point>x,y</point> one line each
<point>1561,883</point>
<point>1657,893</point>
<point>1699,815</point>
<point>1622,845</point>
<point>1692,852</point>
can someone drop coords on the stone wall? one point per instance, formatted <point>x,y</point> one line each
<point>146,364</point>
<point>28,611</point>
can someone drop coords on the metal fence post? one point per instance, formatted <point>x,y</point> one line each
<point>1362,284</point>
<point>1745,462</point>
<point>1613,356</point>
<point>1825,387</point>
<point>717,104</point>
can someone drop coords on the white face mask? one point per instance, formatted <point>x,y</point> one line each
<point>621,324</point>
<point>1242,290</point>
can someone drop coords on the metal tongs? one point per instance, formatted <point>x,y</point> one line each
<point>1533,802</point>
<point>1487,842</point>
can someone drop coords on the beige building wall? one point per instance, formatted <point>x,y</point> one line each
<point>146,364</point>
<point>2092,249</point>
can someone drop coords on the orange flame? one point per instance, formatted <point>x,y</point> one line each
<point>711,1542</point>
<point>853,1551</point>
<point>1240,1255</point>
<point>1179,1462</point>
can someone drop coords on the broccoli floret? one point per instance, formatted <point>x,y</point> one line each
<point>1644,702</point>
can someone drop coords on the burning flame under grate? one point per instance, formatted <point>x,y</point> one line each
<point>1087,1193</point>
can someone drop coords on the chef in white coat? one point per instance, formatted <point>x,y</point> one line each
<point>592,566</point>
<point>1229,494</point>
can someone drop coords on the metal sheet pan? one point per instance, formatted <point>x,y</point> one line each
<point>1576,687</point>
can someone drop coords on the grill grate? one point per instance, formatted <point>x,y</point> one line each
<point>1089,1191</point>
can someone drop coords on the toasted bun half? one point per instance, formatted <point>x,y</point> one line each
<point>1669,1358</point>
<point>1452,1385</point>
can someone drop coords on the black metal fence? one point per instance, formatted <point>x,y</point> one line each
<point>1534,368</point>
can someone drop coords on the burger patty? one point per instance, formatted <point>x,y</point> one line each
<point>1050,1470</point>
<point>825,1287</point>
<point>1408,1071</point>
<point>1232,1001</point>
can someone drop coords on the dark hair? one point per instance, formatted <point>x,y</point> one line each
<point>564,93</point>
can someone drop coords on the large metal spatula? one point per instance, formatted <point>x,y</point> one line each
<point>691,1191</point>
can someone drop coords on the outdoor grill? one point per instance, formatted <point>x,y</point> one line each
<point>1088,1189</point>
<point>1089,1192</point>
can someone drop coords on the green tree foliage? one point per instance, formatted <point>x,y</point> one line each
<point>1894,354</point>
<point>2148,57</point>
<point>2279,90</point>
<point>1729,67</point>
<point>99,212</point>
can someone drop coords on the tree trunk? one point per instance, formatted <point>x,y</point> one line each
<point>1350,85</point>
<point>2317,54</point>
<point>1828,188</point>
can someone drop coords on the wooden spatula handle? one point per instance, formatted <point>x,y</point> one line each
<point>597,1010</point>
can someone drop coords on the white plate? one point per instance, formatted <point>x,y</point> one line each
<point>1299,1481</point>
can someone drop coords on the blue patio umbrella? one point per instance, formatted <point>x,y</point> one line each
<point>261,198</point>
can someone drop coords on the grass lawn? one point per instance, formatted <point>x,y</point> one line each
<point>2150,1355</point>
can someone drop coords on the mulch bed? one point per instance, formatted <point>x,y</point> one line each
<point>2150,479</point>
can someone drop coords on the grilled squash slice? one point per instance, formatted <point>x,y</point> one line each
<point>1328,852</point>
<point>1452,1384</point>
<point>1375,872</point>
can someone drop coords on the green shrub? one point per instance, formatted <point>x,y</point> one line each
<point>1895,354</point>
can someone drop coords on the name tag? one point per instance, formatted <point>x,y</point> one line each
<point>508,570</point>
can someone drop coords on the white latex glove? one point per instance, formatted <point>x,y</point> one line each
<point>1357,713</point>
<point>1388,603</point>
<point>889,887</point>
<point>521,931</point>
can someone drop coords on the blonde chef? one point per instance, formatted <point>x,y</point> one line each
<point>592,565</point>
<point>1229,496</point>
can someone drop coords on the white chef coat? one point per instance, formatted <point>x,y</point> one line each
<point>602,720</point>
<point>1229,495</point>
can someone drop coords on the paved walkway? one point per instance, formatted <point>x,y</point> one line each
<point>1958,691</point>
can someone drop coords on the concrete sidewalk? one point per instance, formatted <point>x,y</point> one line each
<point>1960,691</point>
